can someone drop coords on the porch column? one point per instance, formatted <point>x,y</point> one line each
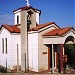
<point>61,58</point>
<point>63,51</point>
<point>52,59</point>
<point>55,59</point>
<point>48,58</point>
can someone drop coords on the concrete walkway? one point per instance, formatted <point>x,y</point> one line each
<point>68,72</point>
<point>31,74</point>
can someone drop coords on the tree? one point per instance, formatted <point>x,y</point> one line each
<point>70,52</point>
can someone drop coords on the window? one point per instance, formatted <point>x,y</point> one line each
<point>6,44</point>
<point>17,19</point>
<point>2,45</point>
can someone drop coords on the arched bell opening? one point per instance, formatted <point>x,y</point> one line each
<point>29,19</point>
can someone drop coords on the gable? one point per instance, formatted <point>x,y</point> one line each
<point>11,29</point>
<point>71,32</point>
<point>42,27</point>
<point>59,32</point>
<point>4,32</point>
<point>27,8</point>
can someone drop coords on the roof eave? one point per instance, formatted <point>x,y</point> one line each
<point>16,11</point>
<point>51,36</point>
<point>21,9</point>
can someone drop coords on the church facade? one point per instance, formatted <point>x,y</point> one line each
<point>34,46</point>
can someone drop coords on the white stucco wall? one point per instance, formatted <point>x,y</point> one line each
<point>43,58</point>
<point>33,51</point>
<point>12,41</point>
<point>19,14</point>
<point>37,18</point>
<point>15,39</point>
<point>37,60</point>
<point>4,33</point>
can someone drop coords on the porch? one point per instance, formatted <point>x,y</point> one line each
<point>57,58</point>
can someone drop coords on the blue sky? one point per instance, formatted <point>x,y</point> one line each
<point>62,12</point>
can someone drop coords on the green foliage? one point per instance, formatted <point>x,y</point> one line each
<point>2,69</point>
<point>70,52</point>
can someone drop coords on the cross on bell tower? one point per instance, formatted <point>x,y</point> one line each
<point>27,2</point>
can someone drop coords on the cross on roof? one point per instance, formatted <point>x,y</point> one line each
<point>27,2</point>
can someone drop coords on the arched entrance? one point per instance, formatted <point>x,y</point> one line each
<point>69,50</point>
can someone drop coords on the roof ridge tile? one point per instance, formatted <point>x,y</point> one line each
<point>11,29</point>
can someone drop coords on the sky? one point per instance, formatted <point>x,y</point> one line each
<point>62,12</point>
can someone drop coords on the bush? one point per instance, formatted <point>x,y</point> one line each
<point>2,69</point>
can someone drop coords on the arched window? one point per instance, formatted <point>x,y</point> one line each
<point>2,45</point>
<point>6,44</point>
<point>17,19</point>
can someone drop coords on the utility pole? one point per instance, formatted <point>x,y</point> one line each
<point>6,64</point>
<point>17,59</point>
<point>25,62</point>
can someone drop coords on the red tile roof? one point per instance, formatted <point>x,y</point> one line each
<point>58,32</point>
<point>26,8</point>
<point>12,29</point>
<point>40,26</point>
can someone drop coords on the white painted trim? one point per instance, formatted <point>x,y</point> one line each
<point>69,32</point>
<point>30,32</point>
<point>47,27</point>
<point>38,11</point>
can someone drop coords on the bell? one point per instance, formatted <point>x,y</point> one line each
<point>28,22</point>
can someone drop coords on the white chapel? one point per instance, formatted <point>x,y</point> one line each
<point>31,46</point>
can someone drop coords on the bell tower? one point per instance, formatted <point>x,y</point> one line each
<point>29,19</point>
<point>24,41</point>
